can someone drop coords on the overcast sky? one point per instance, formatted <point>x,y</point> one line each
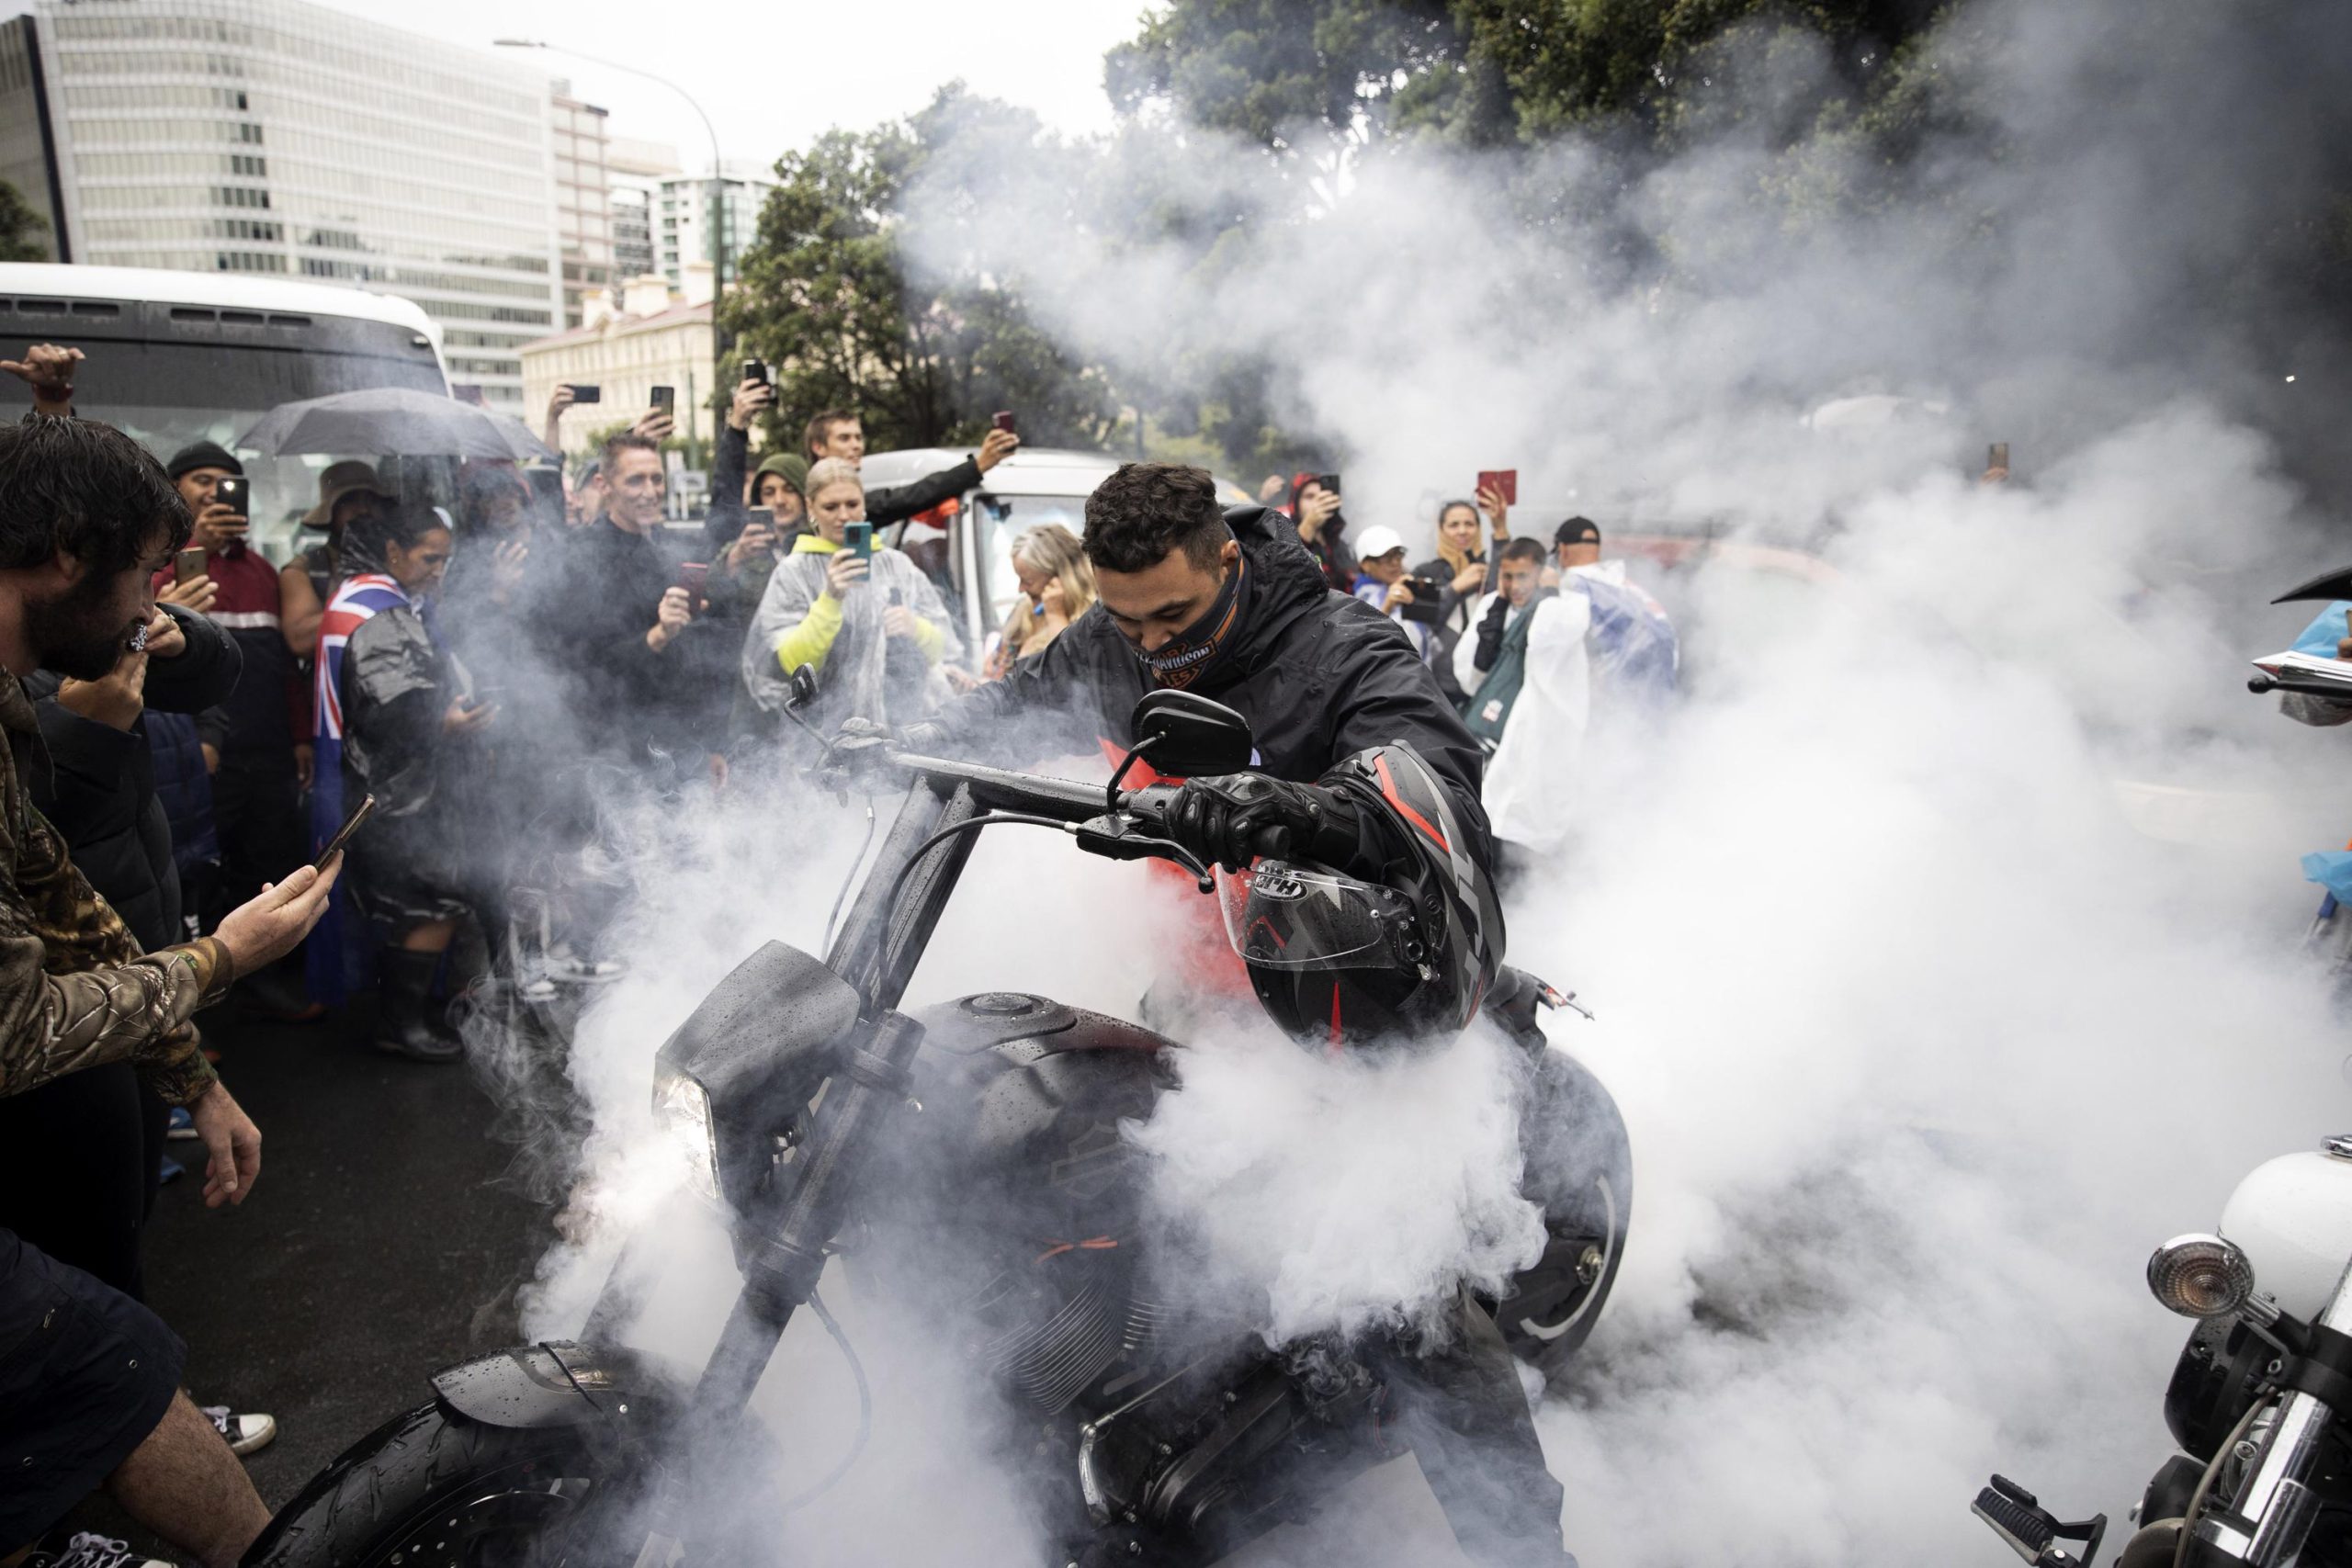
<point>772,77</point>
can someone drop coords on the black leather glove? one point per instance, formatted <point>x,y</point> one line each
<point>1231,819</point>
<point>1490,634</point>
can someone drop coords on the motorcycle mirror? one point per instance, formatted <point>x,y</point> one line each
<point>2336,584</point>
<point>1187,735</point>
<point>801,689</point>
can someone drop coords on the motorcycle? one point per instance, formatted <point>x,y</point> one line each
<point>2260,1400</point>
<point>816,1114</point>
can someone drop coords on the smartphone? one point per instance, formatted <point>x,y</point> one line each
<point>546,492</point>
<point>755,370</point>
<point>858,538</point>
<point>1502,481</point>
<point>342,834</point>
<point>587,395</point>
<point>1004,421</point>
<point>1329,482</point>
<point>1997,455</point>
<point>693,576</point>
<point>231,492</point>
<point>665,398</point>
<point>188,564</point>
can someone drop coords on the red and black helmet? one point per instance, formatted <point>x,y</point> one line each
<point>1338,960</point>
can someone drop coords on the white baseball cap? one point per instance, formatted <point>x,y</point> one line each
<point>1377,541</point>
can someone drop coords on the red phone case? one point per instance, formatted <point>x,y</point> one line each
<point>1505,480</point>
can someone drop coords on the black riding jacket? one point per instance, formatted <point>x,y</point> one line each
<point>1319,675</point>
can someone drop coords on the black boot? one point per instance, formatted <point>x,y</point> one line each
<point>406,1025</point>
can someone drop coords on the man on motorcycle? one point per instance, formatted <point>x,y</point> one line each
<point>1363,766</point>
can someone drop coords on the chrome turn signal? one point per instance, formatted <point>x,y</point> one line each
<point>2200,1276</point>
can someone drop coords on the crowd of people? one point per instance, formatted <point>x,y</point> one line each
<point>479,669</point>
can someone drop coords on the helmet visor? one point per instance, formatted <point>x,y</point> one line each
<point>1279,915</point>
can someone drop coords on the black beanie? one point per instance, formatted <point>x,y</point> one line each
<point>203,454</point>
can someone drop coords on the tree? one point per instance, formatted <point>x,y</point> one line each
<point>21,227</point>
<point>830,292</point>
<point>1481,72</point>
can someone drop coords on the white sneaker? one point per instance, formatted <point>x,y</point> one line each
<point>244,1434</point>
<point>91,1550</point>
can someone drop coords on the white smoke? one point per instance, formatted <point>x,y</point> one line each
<point>1941,946</point>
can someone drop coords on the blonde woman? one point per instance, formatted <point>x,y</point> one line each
<point>1057,587</point>
<point>866,620</point>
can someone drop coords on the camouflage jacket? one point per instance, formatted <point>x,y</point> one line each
<point>75,990</point>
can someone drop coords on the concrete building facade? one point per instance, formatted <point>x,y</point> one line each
<point>279,138</point>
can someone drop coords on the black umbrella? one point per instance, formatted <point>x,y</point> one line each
<point>388,421</point>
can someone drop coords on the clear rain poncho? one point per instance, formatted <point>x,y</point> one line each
<point>863,672</point>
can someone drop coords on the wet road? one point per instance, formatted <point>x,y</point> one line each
<point>384,1239</point>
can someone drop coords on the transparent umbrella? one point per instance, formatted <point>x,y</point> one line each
<point>392,421</point>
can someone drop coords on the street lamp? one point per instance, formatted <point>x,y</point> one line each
<point>718,191</point>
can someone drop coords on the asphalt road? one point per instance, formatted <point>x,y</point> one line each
<point>383,1240</point>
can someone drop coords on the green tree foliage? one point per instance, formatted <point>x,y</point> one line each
<point>1480,72</point>
<point>21,227</point>
<point>827,292</point>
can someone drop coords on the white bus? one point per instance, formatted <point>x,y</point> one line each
<point>182,356</point>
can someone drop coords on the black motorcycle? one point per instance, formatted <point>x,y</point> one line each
<point>822,1118</point>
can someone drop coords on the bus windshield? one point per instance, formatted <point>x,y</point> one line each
<point>170,375</point>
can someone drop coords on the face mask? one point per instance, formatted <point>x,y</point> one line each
<point>1180,661</point>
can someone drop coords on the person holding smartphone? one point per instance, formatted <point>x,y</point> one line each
<point>1460,571</point>
<point>393,723</point>
<point>265,758</point>
<point>862,615</point>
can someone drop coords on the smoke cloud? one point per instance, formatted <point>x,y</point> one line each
<point>1943,943</point>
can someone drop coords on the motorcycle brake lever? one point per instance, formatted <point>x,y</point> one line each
<point>1552,997</point>
<point>1113,838</point>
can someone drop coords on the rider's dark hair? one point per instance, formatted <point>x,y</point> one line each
<point>1146,510</point>
<point>1525,548</point>
<point>82,489</point>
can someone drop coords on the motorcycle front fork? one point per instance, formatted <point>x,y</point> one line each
<point>783,1266</point>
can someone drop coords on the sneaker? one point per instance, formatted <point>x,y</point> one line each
<point>183,1124</point>
<point>244,1434</point>
<point>92,1551</point>
<point>169,1171</point>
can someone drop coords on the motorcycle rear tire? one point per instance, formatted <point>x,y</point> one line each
<point>424,1489</point>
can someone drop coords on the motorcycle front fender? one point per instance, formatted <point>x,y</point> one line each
<point>556,1384</point>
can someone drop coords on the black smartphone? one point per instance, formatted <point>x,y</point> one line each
<point>546,492</point>
<point>755,370</point>
<point>231,491</point>
<point>1329,482</point>
<point>342,834</point>
<point>1997,455</point>
<point>665,398</point>
<point>587,395</point>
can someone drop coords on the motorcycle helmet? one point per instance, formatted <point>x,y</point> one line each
<point>1338,960</point>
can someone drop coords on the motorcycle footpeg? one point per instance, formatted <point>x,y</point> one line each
<point>2031,1531</point>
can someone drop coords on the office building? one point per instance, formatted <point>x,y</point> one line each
<point>634,171</point>
<point>682,226</point>
<point>584,224</point>
<point>277,137</point>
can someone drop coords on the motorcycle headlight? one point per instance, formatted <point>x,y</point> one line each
<point>2200,1276</point>
<point>683,1109</point>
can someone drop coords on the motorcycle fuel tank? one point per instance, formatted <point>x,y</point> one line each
<point>2293,1217</point>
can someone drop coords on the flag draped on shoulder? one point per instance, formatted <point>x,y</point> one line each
<point>357,601</point>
